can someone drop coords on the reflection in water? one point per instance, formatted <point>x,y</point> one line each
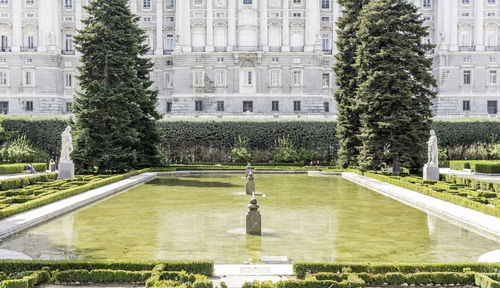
<point>304,218</point>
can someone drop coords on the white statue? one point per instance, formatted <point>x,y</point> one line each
<point>52,38</point>
<point>432,152</point>
<point>67,146</point>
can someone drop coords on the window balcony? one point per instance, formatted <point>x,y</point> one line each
<point>29,49</point>
<point>68,52</point>
<point>220,49</point>
<point>274,48</point>
<point>327,52</point>
<point>167,51</point>
<point>5,49</point>
<point>466,48</point>
<point>248,48</point>
<point>198,48</point>
<point>492,48</point>
<point>297,49</point>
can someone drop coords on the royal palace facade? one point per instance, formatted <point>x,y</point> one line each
<point>232,58</point>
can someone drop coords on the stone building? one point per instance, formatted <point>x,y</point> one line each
<point>217,58</point>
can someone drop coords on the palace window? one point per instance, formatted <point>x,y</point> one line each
<point>492,77</point>
<point>326,106</point>
<point>4,78</point>
<point>220,106</point>
<point>275,106</point>
<point>466,79</point>
<point>198,105</point>
<point>29,105</point>
<point>296,106</point>
<point>466,105</point>
<point>68,4</point>
<point>326,80</point>
<point>325,4</point>
<point>275,78</point>
<point>68,80</point>
<point>146,4</point>
<point>426,4</point>
<point>297,78</point>
<point>198,78</point>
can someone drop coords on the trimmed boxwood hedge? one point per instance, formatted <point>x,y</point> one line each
<point>303,268</point>
<point>480,166</point>
<point>45,133</point>
<point>21,167</point>
<point>458,198</point>
<point>195,267</point>
<point>6,212</point>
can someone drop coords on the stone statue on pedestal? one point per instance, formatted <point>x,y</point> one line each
<point>432,151</point>
<point>250,184</point>
<point>431,169</point>
<point>66,166</point>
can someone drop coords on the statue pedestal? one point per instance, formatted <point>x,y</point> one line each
<point>66,171</point>
<point>250,187</point>
<point>431,172</point>
<point>253,223</point>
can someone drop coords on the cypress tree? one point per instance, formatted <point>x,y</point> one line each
<point>115,108</point>
<point>348,117</point>
<point>395,85</point>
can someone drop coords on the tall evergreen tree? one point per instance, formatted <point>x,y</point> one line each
<point>395,85</point>
<point>348,117</point>
<point>115,108</point>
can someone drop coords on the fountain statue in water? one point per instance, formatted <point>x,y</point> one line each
<point>250,184</point>
<point>253,217</point>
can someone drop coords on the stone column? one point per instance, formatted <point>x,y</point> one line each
<point>443,24</point>
<point>286,26</point>
<point>210,26</point>
<point>183,25</point>
<point>159,27</point>
<point>47,26</point>
<point>231,25</point>
<point>133,6</point>
<point>454,26</point>
<point>17,26</point>
<point>312,24</point>
<point>479,24</point>
<point>263,26</point>
<point>179,6</point>
<point>336,16</point>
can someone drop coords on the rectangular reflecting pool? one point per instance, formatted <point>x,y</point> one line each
<point>304,218</point>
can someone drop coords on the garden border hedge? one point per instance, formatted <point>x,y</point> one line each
<point>195,267</point>
<point>461,201</point>
<point>6,212</point>
<point>303,268</point>
<point>21,167</point>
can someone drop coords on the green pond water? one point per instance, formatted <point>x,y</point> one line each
<point>304,218</point>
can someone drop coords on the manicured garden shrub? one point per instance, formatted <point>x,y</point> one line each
<point>195,267</point>
<point>484,281</point>
<point>303,268</point>
<point>21,167</point>
<point>44,133</point>
<point>480,166</point>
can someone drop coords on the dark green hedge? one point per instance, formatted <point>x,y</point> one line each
<point>100,276</point>
<point>480,166</point>
<point>303,268</point>
<point>45,133</point>
<point>261,134</point>
<point>196,267</point>
<point>21,167</point>
<point>465,132</point>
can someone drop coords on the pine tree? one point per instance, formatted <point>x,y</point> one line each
<point>115,109</point>
<point>348,117</point>
<point>395,85</point>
